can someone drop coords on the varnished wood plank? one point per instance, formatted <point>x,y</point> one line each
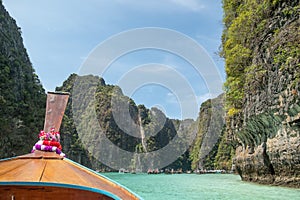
<point>41,154</point>
<point>60,171</point>
<point>10,165</point>
<point>25,170</point>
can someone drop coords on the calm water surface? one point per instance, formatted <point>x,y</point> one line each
<point>193,186</point>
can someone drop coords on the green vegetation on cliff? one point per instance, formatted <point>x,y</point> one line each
<point>254,28</point>
<point>210,128</point>
<point>86,147</point>
<point>224,153</point>
<point>22,97</point>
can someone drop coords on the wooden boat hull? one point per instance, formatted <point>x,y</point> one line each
<point>29,190</point>
<point>46,175</point>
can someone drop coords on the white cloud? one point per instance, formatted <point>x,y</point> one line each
<point>170,94</point>
<point>171,98</point>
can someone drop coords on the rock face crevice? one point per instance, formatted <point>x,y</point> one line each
<point>267,161</point>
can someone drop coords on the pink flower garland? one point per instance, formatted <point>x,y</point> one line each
<point>49,142</point>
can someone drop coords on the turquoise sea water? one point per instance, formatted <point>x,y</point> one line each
<point>193,186</point>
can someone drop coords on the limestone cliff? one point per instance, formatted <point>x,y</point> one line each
<point>211,122</point>
<point>22,97</point>
<point>86,147</point>
<point>261,43</point>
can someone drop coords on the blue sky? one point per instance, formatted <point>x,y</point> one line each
<point>60,34</point>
